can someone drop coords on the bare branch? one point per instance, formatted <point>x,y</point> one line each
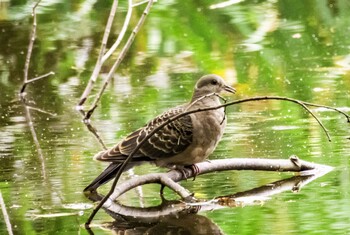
<point>224,4</point>
<point>99,61</point>
<point>155,130</point>
<point>330,108</point>
<point>121,34</point>
<point>40,77</point>
<point>167,179</point>
<point>103,57</point>
<point>33,80</point>
<point>93,130</point>
<point>6,216</point>
<point>40,110</point>
<point>122,55</point>
<point>140,3</point>
<point>30,48</point>
<point>26,81</point>
<point>147,219</point>
<point>31,42</point>
<point>36,141</point>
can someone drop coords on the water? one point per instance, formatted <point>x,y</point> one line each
<point>297,50</point>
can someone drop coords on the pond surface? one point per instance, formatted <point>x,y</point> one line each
<point>299,49</point>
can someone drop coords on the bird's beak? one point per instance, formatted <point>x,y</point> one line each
<point>229,89</point>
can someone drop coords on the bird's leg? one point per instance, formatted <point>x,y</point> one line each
<point>161,192</point>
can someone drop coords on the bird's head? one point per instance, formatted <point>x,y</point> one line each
<point>210,84</point>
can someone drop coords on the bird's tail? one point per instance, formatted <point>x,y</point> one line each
<point>106,175</point>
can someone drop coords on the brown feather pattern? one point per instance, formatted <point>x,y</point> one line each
<point>168,141</point>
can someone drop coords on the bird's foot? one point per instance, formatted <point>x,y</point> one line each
<point>194,168</point>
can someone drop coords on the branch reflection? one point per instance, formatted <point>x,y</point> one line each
<point>177,217</point>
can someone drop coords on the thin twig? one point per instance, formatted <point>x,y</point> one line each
<point>25,83</point>
<point>36,141</point>
<point>99,61</point>
<point>121,34</point>
<point>30,49</point>
<point>40,77</point>
<point>33,80</point>
<point>224,4</point>
<point>318,120</point>
<point>121,55</point>
<point>31,43</point>
<point>95,74</point>
<point>6,216</point>
<point>329,107</point>
<point>40,110</point>
<point>155,130</point>
<point>140,3</point>
<point>29,55</point>
<point>204,97</point>
<point>110,74</point>
<point>93,130</point>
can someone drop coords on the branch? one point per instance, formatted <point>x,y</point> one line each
<point>94,131</point>
<point>330,108</point>
<point>155,130</point>
<point>36,141</point>
<point>25,83</point>
<point>31,43</point>
<point>6,216</point>
<point>279,165</point>
<point>120,57</point>
<point>99,61</point>
<point>121,34</point>
<point>103,57</point>
<point>29,55</point>
<point>145,219</point>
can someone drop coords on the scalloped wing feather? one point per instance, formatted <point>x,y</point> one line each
<point>167,142</point>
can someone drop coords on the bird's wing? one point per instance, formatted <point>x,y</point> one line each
<point>167,142</point>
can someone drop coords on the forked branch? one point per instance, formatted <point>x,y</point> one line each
<point>29,55</point>
<point>104,56</point>
<point>294,164</point>
<point>99,61</point>
<point>120,58</point>
<point>140,219</point>
<point>155,130</point>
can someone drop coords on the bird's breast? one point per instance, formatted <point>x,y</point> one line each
<point>208,128</point>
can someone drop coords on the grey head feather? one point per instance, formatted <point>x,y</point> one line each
<point>210,84</point>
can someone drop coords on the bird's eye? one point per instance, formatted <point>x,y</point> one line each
<point>214,82</point>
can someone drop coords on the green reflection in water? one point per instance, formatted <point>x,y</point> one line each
<point>297,49</point>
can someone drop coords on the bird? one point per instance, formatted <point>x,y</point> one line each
<point>183,142</point>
